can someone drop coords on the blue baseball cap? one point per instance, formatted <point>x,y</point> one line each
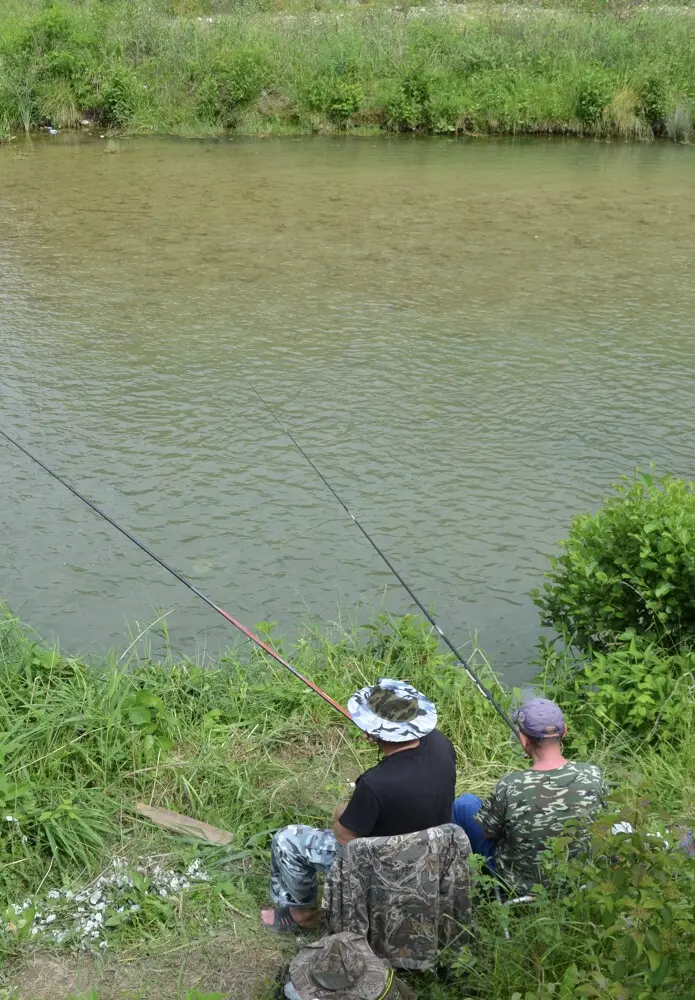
<point>540,719</point>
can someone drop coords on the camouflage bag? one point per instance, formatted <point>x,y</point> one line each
<point>343,967</point>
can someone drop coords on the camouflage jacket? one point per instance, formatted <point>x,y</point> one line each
<point>528,808</point>
<point>409,895</point>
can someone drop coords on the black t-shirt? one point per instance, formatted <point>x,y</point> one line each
<point>407,791</point>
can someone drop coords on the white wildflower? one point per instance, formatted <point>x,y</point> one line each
<point>54,894</point>
<point>10,819</point>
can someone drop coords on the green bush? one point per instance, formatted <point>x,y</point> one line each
<point>653,102</point>
<point>619,925</point>
<point>593,97</point>
<point>636,688</point>
<point>233,82</point>
<point>118,98</point>
<point>628,567</point>
<point>336,95</point>
<point>407,109</point>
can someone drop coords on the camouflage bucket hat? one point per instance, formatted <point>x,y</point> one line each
<point>339,967</point>
<point>392,711</point>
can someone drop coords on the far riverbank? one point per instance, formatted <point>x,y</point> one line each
<point>591,70</point>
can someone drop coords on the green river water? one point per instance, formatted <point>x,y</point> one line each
<point>471,339</point>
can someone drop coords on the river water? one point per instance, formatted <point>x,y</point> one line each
<point>471,339</point>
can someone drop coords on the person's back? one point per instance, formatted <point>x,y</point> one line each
<point>529,808</point>
<point>405,792</point>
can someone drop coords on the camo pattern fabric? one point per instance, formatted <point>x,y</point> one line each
<point>298,854</point>
<point>409,896</point>
<point>528,808</point>
<point>393,711</point>
<point>343,967</point>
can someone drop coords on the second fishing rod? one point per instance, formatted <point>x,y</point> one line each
<point>484,691</point>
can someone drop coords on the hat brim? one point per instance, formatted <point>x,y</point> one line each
<point>369,986</point>
<point>383,729</point>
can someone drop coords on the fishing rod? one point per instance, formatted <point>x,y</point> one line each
<point>413,596</point>
<point>170,569</point>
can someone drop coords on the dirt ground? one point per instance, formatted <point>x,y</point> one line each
<point>237,967</point>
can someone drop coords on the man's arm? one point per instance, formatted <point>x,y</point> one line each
<point>342,834</point>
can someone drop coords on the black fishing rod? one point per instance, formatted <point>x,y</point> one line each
<point>170,569</point>
<point>461,659</point>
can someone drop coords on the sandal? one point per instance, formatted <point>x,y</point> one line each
<point>284,922</point>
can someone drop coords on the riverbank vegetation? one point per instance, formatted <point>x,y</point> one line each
<point>190,67</point>
<point>97,899</point>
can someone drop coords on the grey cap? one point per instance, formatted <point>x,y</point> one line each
<point>339,965</point>
<point>392,711</point>
<point>541,719</point>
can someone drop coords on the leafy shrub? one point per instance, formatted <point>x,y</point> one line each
<point>53,28</point>
<point>444,113</point>
<point>408,108</point>
<point>117,100</point>
<point>51,60</point>
<point>594,95</point>
<point>336,95</point>
<point>630,566</point>
<point>233,82</point>
<point>636,688</point>
<point>619,925</point>
<point>652,105</point>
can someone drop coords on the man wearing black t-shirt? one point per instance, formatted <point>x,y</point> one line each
<point>410,789</point>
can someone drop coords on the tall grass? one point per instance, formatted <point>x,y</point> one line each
<point>236,744</point>
<point>247,748</point>
<point>135,67</point>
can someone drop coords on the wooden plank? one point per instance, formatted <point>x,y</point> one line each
<point>184,824</point>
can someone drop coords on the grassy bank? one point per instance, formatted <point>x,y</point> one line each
<point>247,748</point>
<point>243,746</point>
<point>590,68</point>
<point>99,903</point>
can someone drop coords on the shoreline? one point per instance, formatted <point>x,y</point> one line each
<point>471,71</point>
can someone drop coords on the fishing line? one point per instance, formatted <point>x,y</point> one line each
<point>170,569</point>
<point>461,659</point>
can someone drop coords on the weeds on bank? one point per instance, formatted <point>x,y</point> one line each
<point>244,746</point>
<point>132,67</point>
<point>238,744</point>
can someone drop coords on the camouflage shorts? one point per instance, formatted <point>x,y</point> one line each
<point>297,855</point>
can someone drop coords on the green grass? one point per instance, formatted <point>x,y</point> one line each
<point>580,68</point>
<point>247,748</point>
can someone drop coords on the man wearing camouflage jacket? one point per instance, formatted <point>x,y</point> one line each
<point>528,808</point>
